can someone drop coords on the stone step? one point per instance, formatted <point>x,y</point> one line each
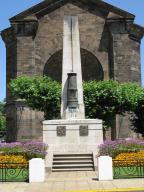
<point>73,162</point>
<point>73,155</point>
<point>73,165</point>
<point>73,169</point>
<point>71,158</point>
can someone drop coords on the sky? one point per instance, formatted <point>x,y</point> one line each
<point>9,8</point>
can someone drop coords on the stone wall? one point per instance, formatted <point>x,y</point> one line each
<point>49,37</point>
<point>125,62</point>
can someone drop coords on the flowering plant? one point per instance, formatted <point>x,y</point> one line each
<point>129,159</point>
<point>113,148</point>
<point>12,161</point>
<point>31,149</point>
<point>35,149</point>
<point>15,147</point>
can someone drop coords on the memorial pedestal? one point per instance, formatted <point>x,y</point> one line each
<point>72,136</point>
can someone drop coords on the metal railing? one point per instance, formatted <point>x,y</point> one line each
<point>133,168</point>
<point>14,172</point>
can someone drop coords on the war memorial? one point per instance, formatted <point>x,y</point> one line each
<point>71,41</point>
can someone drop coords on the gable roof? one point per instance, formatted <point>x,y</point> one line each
<point>54,4</point>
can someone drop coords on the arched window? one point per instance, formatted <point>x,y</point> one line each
<point>91,67</point>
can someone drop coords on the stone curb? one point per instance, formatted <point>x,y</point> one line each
<point>109,190</point>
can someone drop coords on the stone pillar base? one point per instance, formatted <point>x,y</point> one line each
<point>72,136</point>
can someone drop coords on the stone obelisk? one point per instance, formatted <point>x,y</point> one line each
<point>72,133</point>
<point>71,66</point>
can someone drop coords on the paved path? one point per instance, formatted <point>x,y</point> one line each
<point>73,182</point>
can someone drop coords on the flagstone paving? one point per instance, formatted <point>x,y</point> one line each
<point>73,182</point>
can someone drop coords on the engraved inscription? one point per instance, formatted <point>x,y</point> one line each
<point>61,131</point>
<point>83,130</point>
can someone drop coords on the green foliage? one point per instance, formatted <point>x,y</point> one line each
<point>103,99</point>
<point>41,93</point>
<point>2,108</point>
<point>2,117</point>
<point>131,95</point>
<point>2,123</point>
<point>138,119</point>
<point>133,102</point>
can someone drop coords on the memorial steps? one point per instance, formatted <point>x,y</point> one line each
<point>73,162</point>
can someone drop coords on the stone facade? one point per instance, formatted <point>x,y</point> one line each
<point>110,48</point>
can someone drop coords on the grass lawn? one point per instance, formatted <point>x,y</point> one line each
<point>128,172</point>
<point>14,174</point>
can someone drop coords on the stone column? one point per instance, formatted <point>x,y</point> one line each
<point>67,62</point>
<point>22,122</point>
<point>10,40</point>
<point>124,57</point>
<point>77,65</point>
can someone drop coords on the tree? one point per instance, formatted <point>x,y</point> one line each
<point>2,117</point>
<point>103,99</point>
<point>137,118</point>
<point>2,108</point>
<point>2,123</point>
<point>40,93</point>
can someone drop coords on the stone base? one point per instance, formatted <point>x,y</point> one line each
<point>72,136</point>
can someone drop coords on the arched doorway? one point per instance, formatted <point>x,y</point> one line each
<point>91,67</point>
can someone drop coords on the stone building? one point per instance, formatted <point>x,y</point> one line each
<point>110,49</point>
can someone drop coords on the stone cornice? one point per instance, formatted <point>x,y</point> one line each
<point>118,25</point>
<point>136,32</point>
<point>120,19</point>
<point>25,27</point>
<point>19,28</point>
<point>42,7</point>
<point>8,35</point>
<point>125,26</point>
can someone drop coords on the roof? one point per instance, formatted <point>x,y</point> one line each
<point>50,5</point>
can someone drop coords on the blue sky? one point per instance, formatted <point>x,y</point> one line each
<point>10,8</point>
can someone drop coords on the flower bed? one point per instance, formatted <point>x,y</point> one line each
<point>129,159</point>
<point>129,165</point>
<point>12,161</point>
<point>29,150</point>
<point>114,148</point>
